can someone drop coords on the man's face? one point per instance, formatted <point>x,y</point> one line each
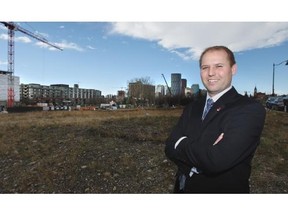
<point>216,72</point>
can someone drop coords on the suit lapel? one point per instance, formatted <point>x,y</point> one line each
<point>221,104</point>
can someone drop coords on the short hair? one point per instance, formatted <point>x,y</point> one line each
<point>230,54</point>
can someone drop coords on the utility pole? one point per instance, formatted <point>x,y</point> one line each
<point>273,78</point>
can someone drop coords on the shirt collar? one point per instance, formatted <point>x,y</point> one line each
<point>217,96</point>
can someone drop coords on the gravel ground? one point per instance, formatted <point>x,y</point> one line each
<point>114,152</point>
<point>116,157</point>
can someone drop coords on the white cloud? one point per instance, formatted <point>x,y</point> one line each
<point>2,27</point>
<point>69,45</point>
<point>41,35</point>
<point>188,39</point>
<point>90,47</point>
<point>3,62</point>
<point>64,45</point>
<point>44,45</point>
<point>22,39</point>
<point>3,36</point>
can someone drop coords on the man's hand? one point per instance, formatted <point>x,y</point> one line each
<point>219,138</point>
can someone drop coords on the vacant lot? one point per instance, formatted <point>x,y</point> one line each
<point>113,152</point>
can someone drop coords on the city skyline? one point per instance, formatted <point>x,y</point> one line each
<point>106,56</point>
<point>257,48</point>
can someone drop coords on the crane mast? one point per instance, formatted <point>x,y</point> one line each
<point>167,85</point>
<point>12,27</point>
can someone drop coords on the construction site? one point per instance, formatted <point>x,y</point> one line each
<point>10,84</point>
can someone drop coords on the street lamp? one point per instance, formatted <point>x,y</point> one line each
<point>274,74</point>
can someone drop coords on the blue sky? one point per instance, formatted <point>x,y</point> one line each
<point>106,55</point>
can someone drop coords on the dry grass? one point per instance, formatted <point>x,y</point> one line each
<point>270,170</point>
<point>113,152</point>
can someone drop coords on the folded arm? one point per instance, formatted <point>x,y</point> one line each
<point>222,145</point>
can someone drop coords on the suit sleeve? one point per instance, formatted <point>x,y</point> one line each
<point>242,127</point>
<point>177,133</point>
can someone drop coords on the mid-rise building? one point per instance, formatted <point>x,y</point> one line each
<point>160,90</point>
<point>142,92</point>
<point>57,94</point>
<point>120,96</point>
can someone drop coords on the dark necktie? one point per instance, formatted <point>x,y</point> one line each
<point>210,103</point>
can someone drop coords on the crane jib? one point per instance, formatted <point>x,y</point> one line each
<point>12,27</point>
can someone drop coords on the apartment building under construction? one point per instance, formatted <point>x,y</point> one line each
<point>8,92</point>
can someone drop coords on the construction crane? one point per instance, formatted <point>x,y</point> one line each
<point>12,27</point>
<point>167,85</point>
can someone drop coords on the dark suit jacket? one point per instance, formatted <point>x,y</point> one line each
<point>226,166</point>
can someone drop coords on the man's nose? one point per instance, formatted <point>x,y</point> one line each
<point>211,71</point>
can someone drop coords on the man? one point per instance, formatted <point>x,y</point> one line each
<point>213,151</point>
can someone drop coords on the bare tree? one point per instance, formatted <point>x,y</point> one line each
<point>143,80</point>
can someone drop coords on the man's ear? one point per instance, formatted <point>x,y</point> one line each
<point>234,69</point>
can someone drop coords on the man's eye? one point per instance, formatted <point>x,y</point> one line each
<point>204,68</point>
<point>219,66</point>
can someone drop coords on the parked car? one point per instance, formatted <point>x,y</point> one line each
<point>270,102</point>
<point>276,103</point>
